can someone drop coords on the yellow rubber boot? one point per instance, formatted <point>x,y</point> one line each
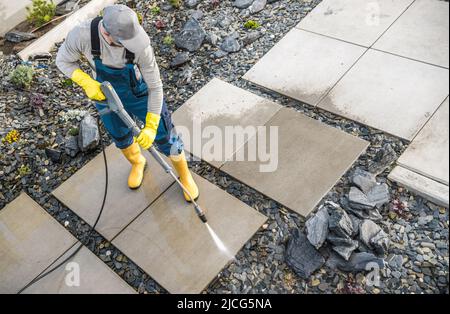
<point>138,163</point>
<point>180,164</point>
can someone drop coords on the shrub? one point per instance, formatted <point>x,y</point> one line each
<point>12,137</point>
<point>74,131</point>
<point>22,76</point>
<point>24,170</point>
<point>41,12</point>
<point>251,24</point>
<point>168,40</point>
<point>175,3</point>
<point>155,10</point>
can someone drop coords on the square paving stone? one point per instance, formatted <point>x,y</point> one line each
<point>304,66</point>
<point>428,153</point>
<point>421,185</point>
<point>30,240</point>
<point>95,277</point>
<point>389,93</point>
<point>175,248</point>
<point>421,33</point>
<point>312,157</point>
<point>83,192</point>
<point>219,106</point>
<point>360,22</point>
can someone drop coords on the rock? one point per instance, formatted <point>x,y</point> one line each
<point>364,180</point>
<point>89,136</point>
<point>339,222</point>
<point>53,154</point>
<point>230,44</point>
<point>212,39</point>
<point>379,194</point>
<point>219,54</point>
<point>251,37</point>
<point>242,4</point>
<point>197,14</point>
<point>356,224</point>
<point>190,3</point>
<point>257,6</point>
<point>343,246</point>
<point>17,37</point>
<point>317,227</point>
<point>225,21</point>
<point>358,200</point>
<point>301,256</point>
<point>180,59</point>
<point>367,231</point>
<point>67,7</point>
<point>191,36</point>
<point>361,262</point>
<point>383,159</point>
<point>71,146</point>
<point>380,242</point>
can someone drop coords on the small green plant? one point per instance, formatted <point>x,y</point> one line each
<point>22,76</point>
<point>41,12</point>
<point>24,170</point>
<point>74,131</point>
<point>155,10</point>
<point>67,83</point>
<point>12,137</point>
<point>168,40</point>
<point>175,3</point>
<point>251,24</point>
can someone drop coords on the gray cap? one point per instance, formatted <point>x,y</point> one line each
<point>122,24</point>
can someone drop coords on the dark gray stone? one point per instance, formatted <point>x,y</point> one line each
<point>190,3</point>
<point>17,37</point>
<point>197,14</point>
<point>180,59</point>
<point>301,256</point>
<point>242,4</point>
<point>219,54</point>
<point>340,223</point>
<point>191,36</point>
<point>380,242</point>
<point>317,227</point>
<point>358,200</point>
<point>71,146</point>
<point>343,246</point>
<point>364,180</point>
<point>383,159</point>
<point>53,154</point>
<point>361,262</point>
<point>379,194</point>
<point>257,6</point>
<point>251,37</point>
<point>230,44</point>
<point>89,136</point>
<point>367,231</point>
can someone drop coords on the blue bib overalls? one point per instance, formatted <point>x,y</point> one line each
<point>134,95</point>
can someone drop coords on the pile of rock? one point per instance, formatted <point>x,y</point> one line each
<point>348,234</point>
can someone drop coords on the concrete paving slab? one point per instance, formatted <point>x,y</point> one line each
<point>83,192</point>
<point>215,109</point>
<point>423,186</point>
<point>304,66</point>
<point>360,22</point>
<point>389,93</point>
<point>428,154</point>
<point>85,273</point>
<point>30,240</point>
<point>312,157</point>
<point>421,33</point>
<point>175,248</point>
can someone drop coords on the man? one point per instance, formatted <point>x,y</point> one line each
<point>118,50</point>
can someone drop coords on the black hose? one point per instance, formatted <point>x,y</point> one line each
<point>93,227</point>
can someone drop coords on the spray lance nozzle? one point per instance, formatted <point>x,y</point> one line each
<point>114,104</point>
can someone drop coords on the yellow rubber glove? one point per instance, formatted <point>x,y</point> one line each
<point>91,87</point>
<point>148,133</point>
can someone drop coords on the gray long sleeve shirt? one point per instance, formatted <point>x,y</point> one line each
<point>78,43</point>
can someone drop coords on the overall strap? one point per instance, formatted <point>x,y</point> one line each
<point>95,39</point>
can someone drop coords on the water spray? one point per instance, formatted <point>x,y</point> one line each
<point>114,104</point>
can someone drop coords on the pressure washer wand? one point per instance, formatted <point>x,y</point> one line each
<point>115,105</point>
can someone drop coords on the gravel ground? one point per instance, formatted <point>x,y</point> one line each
<point>417,259</point>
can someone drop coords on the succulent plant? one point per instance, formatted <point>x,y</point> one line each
<point>22,76</point>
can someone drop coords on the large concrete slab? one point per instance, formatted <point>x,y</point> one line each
<point>423,186</point>
<point>30,240</point>
<point>175,248</point>
<point>304,66</point>
<point>82,274</point>
<point>83,192</point>
<point>428,153</point>
<point>218,107</point>
<point>389,93</point>
<point>421,33</point>
<point>312,157</point>
<point>360,22</point>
